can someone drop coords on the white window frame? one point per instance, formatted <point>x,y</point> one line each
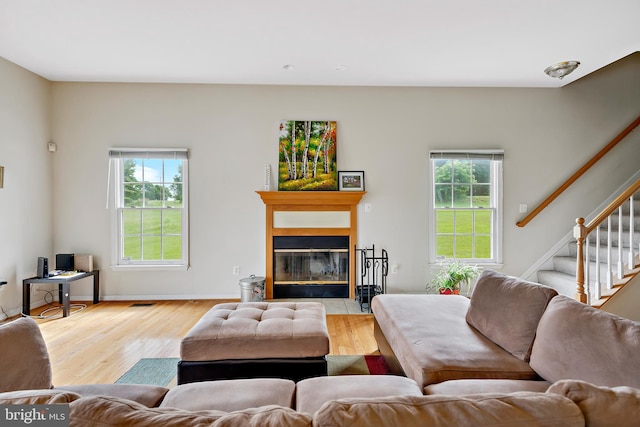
<point>116,181</point>
<point>496,179</point>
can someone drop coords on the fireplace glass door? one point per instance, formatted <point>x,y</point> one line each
<point>311,266</point>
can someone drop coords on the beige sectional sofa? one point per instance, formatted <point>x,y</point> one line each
<point>528,360</point>
<point>567,403</point>
<point>511,335</point>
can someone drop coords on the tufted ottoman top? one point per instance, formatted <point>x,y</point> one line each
<point>258,330</point>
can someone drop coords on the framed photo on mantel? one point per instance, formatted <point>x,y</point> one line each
<point>351,181</point>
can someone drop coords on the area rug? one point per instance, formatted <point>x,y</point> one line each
<point>162,371</point>
<point>368,364</point>
<point>158,371</point>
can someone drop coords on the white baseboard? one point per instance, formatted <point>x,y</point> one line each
<point>18,310</point>
<point>89,298</point>
<point>157,297</point>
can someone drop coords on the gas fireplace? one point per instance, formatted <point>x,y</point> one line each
<point>311,266</point>
<point>310,243</point>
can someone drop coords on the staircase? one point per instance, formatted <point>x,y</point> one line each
<point>603,256</point>
<point>611,251</point>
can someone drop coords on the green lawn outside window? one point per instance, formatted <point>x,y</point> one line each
<point>152,234</point>
<point>463,232</point>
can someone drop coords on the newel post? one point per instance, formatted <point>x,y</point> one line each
<point>579,232</point>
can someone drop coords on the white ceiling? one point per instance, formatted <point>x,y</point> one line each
<point>498,43</point>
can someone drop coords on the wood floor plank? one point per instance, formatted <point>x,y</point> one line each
<point>351,334</point>
<point>101,342</point>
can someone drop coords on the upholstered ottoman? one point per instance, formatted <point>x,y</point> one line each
<point>256,340</point>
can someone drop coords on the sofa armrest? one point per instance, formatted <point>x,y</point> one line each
<point>602,406</point>
<point>147,395</point>
<point>37,397</point>
<point>24,363</point>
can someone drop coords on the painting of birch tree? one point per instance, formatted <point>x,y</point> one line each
<point>307,159</point>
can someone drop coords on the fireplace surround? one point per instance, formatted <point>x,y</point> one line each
<point>310,243</point>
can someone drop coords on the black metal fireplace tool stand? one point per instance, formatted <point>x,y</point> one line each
<point>371,275</point>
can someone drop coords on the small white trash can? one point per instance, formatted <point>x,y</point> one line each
<point>252,289</point>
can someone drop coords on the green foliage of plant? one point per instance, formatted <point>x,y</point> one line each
<point>452,274</point>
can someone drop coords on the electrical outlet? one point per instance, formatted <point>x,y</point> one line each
<point>367,207</point>
<point>236,270</point>
<point>394,268</point>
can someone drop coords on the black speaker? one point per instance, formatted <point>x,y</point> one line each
<point>43,267</point>
<point>64,262</point>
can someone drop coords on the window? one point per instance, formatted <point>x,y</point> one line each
<point>150,211</point>
<point>467,206</point>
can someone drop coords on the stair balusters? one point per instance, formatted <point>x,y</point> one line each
<point>583,234</point>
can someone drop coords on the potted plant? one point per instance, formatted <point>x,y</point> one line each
<point>452,274</point>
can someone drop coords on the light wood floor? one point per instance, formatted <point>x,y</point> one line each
<point>103,341</point>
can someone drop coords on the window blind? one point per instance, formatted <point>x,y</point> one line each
<point>468,154</point>
<point>148,153</point>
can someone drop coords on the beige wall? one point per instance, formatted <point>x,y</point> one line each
<point>625,302</point>
<point>387,132</point>
<point>26,217</point>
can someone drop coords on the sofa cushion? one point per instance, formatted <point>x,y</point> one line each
<point>148,395</point>
<point>104,411</point>
<point>312,393</point>
<point>37,397</point>
<point>462,387</point>
<point>433,342</point>
<point>507,310</point>
<point>602,406</point>
<point>576,341</point>
<point>25,361</point>
<point>231,395</point>
<point>521,409</point>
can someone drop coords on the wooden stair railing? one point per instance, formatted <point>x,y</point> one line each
<point>582,233</point>
<point>546,202</point>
